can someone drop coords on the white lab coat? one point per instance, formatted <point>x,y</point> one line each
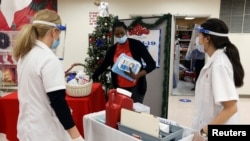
<point>214,85</point>
<point>39,72</point>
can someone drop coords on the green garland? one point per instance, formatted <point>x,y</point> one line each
<point>168,18</point>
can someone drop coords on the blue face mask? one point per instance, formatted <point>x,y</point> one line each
<point>55,44</point>
<point>122,40</point>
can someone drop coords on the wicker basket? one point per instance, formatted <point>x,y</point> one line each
<point>78,90</point>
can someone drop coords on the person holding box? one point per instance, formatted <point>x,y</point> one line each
<point>132,48</point>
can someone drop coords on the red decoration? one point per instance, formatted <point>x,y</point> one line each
<point>92,40</point>
<point>23,16</point>
<point>138,30</point>
<point>109,34</point>
<point>99,61</point>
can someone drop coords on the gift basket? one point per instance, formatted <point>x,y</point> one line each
<point>77,83</point>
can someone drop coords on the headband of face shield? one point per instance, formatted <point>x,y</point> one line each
<point>201,29</point>
<point>58,51</point>
<point>59,26</point>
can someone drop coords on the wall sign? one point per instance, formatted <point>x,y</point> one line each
<point>93,18</point>
<point>150,38</point>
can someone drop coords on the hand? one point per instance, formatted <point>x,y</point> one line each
<point>78,139</point>
<point>198,137</point>
<point>131,74</point>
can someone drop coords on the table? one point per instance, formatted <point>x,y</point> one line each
<point>80,106</point>
<point>98,131</point>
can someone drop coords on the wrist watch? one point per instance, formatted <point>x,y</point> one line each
<point>203,134</point>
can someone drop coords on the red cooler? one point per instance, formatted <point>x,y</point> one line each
<point>118,98</point>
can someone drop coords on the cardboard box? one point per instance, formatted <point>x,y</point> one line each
<point>123,64</point>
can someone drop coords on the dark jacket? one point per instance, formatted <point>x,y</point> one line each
<point>139,52</point>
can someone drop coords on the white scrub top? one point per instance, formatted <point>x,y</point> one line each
<point>39,72</point>
<point>214,85</point>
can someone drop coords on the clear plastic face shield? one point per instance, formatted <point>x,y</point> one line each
<point>203,30</point>
<point>59,51</point>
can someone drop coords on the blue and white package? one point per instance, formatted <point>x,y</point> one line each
<point>123,64</point>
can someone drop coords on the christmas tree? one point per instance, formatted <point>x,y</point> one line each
<point>99,42</point>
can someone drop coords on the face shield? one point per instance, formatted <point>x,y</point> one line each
<point>59,51</point>
<point>203,30</point>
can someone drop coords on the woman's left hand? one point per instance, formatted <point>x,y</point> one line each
<point>131,74</point>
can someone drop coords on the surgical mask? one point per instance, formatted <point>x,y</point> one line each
<point>122,40</point>
<point>199,46</point>
<point>55,44</point>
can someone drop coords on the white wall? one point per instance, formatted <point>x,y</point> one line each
<point>242,42</point>
<point>75,13</point>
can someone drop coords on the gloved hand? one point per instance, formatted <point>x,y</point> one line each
<point>198,137</point>
<point>78,139</point>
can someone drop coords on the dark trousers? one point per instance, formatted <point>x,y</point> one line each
<point>198,66</point>
<point>136,95</point>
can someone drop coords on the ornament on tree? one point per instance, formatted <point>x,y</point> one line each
<point>91,40</point>
<point>99,43</point>
<point>99,61</point>
<point>109,34</point>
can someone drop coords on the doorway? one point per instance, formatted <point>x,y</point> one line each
<point>183,68</point>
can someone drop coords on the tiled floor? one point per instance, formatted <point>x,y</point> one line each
<point>183,88</point>
<point>182,112</point>
<point>181,106</point>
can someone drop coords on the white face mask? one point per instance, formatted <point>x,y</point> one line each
<point>122,40</point>
<point>199,46</point>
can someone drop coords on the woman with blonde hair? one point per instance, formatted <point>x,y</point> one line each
<point>43,111</point>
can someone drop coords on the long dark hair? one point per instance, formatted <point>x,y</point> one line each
<point>231,50</point>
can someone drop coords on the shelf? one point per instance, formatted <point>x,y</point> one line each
<point>8,87</point>
<point>184,29</point>
<point>184,40</point>
<point>183,49</point>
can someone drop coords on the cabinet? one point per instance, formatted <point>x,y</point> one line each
<point>8,68</point>
<point>183,38</point>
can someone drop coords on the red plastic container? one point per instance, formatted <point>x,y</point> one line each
<point>118,98</point>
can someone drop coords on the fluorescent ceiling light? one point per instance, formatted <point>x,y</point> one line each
<point>189,18</point>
